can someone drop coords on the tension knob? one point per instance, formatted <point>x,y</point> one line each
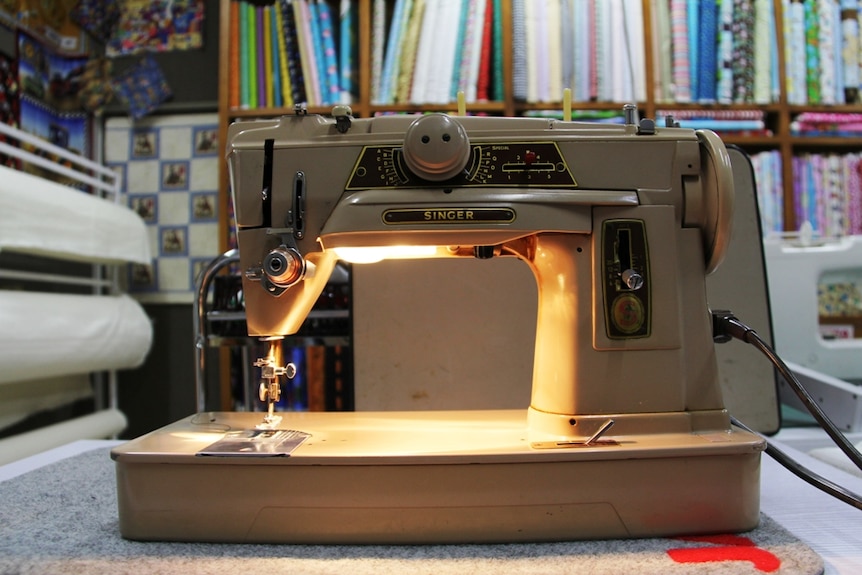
<point>283,266</point>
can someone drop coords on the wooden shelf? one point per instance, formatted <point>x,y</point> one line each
<point>757,143</point>
<point>237,113</point>
<point>484,107</point>
<point>840,108</point>
<point>802,142</point>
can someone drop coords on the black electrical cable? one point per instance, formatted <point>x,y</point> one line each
<point>725,325</point>
<point>806,474</point>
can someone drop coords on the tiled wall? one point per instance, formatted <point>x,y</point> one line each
<point>170,170</point>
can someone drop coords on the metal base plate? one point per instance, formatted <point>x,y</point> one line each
<point>431,477</point>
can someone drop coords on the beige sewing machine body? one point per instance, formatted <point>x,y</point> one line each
<point>626,434</point>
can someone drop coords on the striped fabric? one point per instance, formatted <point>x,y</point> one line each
<point>679,36</point>
<point>743,51</point>
<point>519,51</point>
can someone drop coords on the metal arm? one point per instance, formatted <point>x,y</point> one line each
<point>200,331</point>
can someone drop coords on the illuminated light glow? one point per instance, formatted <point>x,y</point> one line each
<point>205,437</point>
<point>373,254</point>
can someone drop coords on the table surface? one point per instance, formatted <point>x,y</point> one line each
<point>831,528</point>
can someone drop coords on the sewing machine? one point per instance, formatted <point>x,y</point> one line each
<point>826,356</point>
<point>626,434</point>
<point>796,265</point>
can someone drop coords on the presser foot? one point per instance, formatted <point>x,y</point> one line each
<point>270,389</point>
<point>272,392</point>
<point>269,422</point>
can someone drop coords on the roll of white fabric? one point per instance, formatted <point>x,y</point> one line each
<point>19,399</point>
<point>41,217</point>
<point>45,334</point>
<point>100,425</point>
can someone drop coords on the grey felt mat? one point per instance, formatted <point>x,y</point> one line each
<point>63,519</point>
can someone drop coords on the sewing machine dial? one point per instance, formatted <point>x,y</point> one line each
<point>499,164</point>
<point>391,167</point>
<point>436,147</point>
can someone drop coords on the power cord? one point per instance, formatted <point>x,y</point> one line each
<point>804,473</point>
<point>725,326</point>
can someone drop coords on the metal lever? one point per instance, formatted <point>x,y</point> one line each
<point>599,432</point>
<point>591,441</point>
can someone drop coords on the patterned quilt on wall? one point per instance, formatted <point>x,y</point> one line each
<point>169,166</point>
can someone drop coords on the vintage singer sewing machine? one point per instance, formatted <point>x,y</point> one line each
<point>626,434</point>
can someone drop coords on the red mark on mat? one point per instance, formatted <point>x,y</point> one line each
<point>726,548</point>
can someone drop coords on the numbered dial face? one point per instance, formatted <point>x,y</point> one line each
<point>502,164</point>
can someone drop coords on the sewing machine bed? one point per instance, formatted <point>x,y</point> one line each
<point>431,477</point>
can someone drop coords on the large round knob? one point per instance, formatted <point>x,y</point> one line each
<point>283,266</point>
<point>436,147</point>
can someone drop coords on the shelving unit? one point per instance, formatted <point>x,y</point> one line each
<point>779,114</point>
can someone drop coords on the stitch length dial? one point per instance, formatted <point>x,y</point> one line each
<point>503,164</point>
<point>389,166</point>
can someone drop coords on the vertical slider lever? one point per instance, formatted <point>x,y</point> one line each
<point>266,184</point>
<point>631,278</point>
<point>626,286</point>
<point>296,216</point>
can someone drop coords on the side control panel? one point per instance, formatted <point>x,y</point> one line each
<point>625,279</point>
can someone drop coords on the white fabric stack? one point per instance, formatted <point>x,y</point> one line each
<point>50,341</point>
<point>41,217</point>
<point>46,334</point>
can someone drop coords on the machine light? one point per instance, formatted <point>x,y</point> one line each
<point>373,254</point>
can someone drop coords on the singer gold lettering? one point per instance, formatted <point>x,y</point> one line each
<point>443,215</point>
<point>448,215</point>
